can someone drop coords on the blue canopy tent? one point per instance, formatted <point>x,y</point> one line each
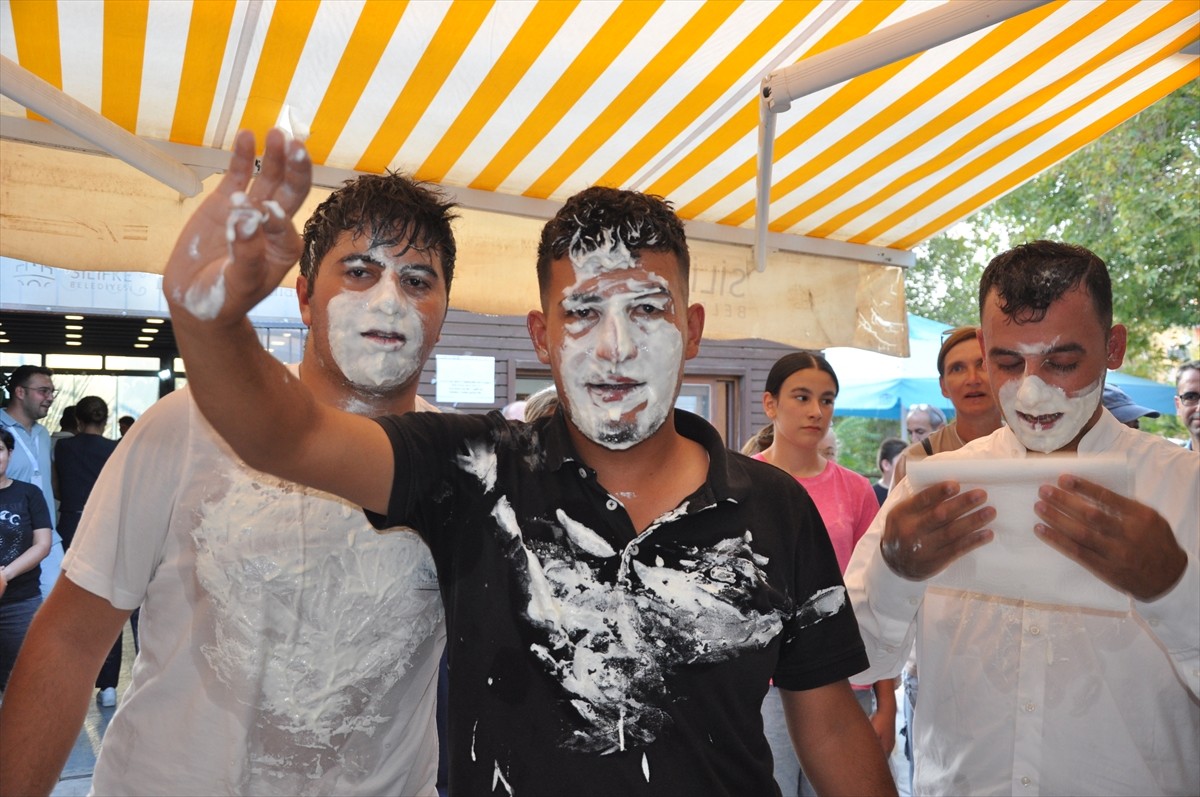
<point>880,386</point>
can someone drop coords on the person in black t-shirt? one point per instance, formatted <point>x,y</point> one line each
<point>618,586</point>
<point>24,543</point>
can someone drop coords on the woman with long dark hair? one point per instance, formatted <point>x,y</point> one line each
<point>800,394</point>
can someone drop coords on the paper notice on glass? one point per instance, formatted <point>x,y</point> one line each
<point>1017,563</point>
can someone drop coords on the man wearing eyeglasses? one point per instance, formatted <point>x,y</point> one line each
<point>30,394</point>
<point>1187,401</point>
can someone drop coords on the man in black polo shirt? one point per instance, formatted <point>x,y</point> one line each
<point>619,588</point>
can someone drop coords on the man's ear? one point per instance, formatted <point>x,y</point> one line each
<point>303,298</point>
<point>535,322</point>
<point>695,330</point>
<point>1118,338</point>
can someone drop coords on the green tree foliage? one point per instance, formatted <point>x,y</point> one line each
<point>1132,196</point>
<point>858,442</point>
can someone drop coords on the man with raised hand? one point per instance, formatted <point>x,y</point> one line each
<point>1025,697</point>
<point>617,593</point>
<point>286,646</point>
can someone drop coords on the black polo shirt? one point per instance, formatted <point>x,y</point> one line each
<point>588,659</point>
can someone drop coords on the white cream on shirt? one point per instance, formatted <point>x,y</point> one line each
<point>1034,699</point>
<point>287,647</point>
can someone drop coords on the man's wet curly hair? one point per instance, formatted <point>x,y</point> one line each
<point>598,217</point>
<point>391,208</point>
<point>1031,277</point>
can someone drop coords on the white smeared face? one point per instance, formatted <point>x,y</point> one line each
<point>618,334</point>
<point>1048,375</point>
<point>1043,417</point>
<point>376,312</point>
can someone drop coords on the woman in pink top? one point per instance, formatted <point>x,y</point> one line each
<point>800,393</point>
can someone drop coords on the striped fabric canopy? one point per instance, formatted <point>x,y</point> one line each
<point>529,100</point>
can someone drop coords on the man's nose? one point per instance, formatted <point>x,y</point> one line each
<point>615,341</point>
<point>386,296</point>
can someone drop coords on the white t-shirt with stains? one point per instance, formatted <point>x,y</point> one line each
<point>286,646</point>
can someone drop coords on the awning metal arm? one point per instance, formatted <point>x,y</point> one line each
<point>885,46</point>
<point>26,88</point>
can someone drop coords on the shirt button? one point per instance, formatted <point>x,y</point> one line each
<point>611,504</point>
<point>1025,782</point>
<point>1033,629</point>
<point>1029,707</point>
<point>913,601</point>
<point>633,550</point>
<point>583,473</point>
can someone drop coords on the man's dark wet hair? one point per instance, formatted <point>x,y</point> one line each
<point>1031,277</point>
<point>599,217</point>
<point>20,378</point>
<point>391,208</point>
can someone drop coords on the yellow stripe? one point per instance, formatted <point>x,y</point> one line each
<point>1048,158</point>
<point>995,127</point>
<point>856,91</point>
<point>597,55</point>
<point>959,69</point>
<point>291,22</point>
<point>208,35</point>
<point>124,54</point>
<point>458,27</point>
<point>372,34</point>
<point>658,71</point>
<point>861,20</point>
<point>35,27</point>
<point>538,29</point>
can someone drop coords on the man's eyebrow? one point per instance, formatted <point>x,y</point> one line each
<point>1066,348</point>
<point>367,257</point>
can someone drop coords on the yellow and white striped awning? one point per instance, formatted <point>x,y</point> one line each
<point>516,101</point>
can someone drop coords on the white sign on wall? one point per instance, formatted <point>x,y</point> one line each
<point>465,379</point>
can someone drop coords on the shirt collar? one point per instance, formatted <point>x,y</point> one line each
<point>727,476</point>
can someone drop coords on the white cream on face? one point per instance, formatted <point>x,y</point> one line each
<point>376,336</point>
<point>620,357</point>
<point>1043,417</point>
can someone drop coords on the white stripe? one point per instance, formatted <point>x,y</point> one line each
<point>163,67</point>
<point>81,39</point>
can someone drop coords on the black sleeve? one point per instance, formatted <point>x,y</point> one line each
<point>426,449</point>
<point>821,643</point>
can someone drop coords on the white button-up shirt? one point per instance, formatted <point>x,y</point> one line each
<point>1037,699</point>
